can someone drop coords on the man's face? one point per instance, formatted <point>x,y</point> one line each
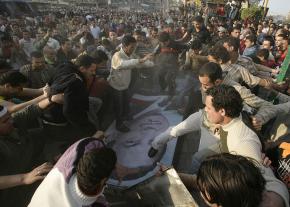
<point>90,71</point>
<point>222,34</point>
<point>213,115</point>
<point>112,35</point>
<point>138,38</point>
<point>205,83</point>
<point>228,47</point>
<point>281,43</point>
<point>248,43</point>
<point>236,33</point>
<point>267,45</point>
<point>37,63</point>
<point>129,49</point>
<point>6,124</point>
<point>26,35</point>
<point>197,25</point>
<point>67,46</point>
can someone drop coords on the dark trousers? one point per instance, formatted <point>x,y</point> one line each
<point>121,101</point>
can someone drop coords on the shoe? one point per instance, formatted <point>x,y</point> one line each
<point>152,152</point>
<point>122,127</point>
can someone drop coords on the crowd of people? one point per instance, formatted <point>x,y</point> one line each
<point>63,73</point>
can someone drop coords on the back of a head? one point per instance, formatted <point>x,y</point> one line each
<point>94,166</point>
<point>164,37</point>
<point>251,38</point>
<point>263,53</point>
<point>127,40</point>
<point>231,180</point>
<point>233,42</point>
<point>13,78</point>
<point>85,61</point>
<point>227,98</point>
<point>99,56</point>
<point>219,52</point>
<point>211,70</point>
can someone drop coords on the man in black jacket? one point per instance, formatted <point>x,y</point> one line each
<point>70,120</point>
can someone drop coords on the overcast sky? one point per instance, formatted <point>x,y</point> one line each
<point>279,7</point>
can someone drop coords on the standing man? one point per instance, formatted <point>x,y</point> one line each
<point>119,79</point>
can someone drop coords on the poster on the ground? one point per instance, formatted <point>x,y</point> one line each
<point>149,120</point>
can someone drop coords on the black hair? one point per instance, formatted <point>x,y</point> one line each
<point>227,98</point>
<point>263,53</point>
<point>63,41</point>
<point>198,19</point>
<point>127,40</point>
<point>284,36</point>
<point>36,54</point>
<point>93,167</point>
<point>220,53</point>
<point>13,78</point>
<point>211,70</point>
<point>85,61</point>
<point>233,42</point>
<point>164,37</point>
<point>252,38</point>
<point>99,56</point>
<point>270,39</point>
<point>137,32</point>
<point>231,180</point>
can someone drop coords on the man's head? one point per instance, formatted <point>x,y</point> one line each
<point>129,44</point>
<point>250,41</point>
<point>6,124</point>
<point>219,55</point>
<point>263,55</point>
<point>268,43</point>
<point>196,46</point>
<point>282,42</point>
<point>230,180</point>
<point>100,57</point>
<point>37,61</point>
<point>26,35</point>
<point>138,35</point>
<point>222,32</point>
<point>210,75</point>
<point>112,35</point>
<point>66,45</point>
<point>222,103</point>
<point>235,32</point>
<point>93,170</point>
<point>164,38</point>
<point>49,54</point>
<point>87,65</point>
<point>198,23</point>
<point>232,44</point>
<point>13,82</point>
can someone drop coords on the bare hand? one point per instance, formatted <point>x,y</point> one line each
<point>147,57</point>
<point>266,161</point>
<point>122,171</point>
<point>257,123</point>
<point>37,173</point>
<point>100,135</point>
<point>46,90</point>
<point>58,98</point>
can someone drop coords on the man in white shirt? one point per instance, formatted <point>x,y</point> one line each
<point>26,43</point>
<point>119,79</point>
<point>222,130</point>
<point>95,30</point>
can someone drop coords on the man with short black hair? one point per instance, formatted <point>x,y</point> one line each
<point>119,79</point>
<point>38,73</point>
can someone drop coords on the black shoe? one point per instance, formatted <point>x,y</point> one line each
<point>122,127</point>
<point>152,152</point>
